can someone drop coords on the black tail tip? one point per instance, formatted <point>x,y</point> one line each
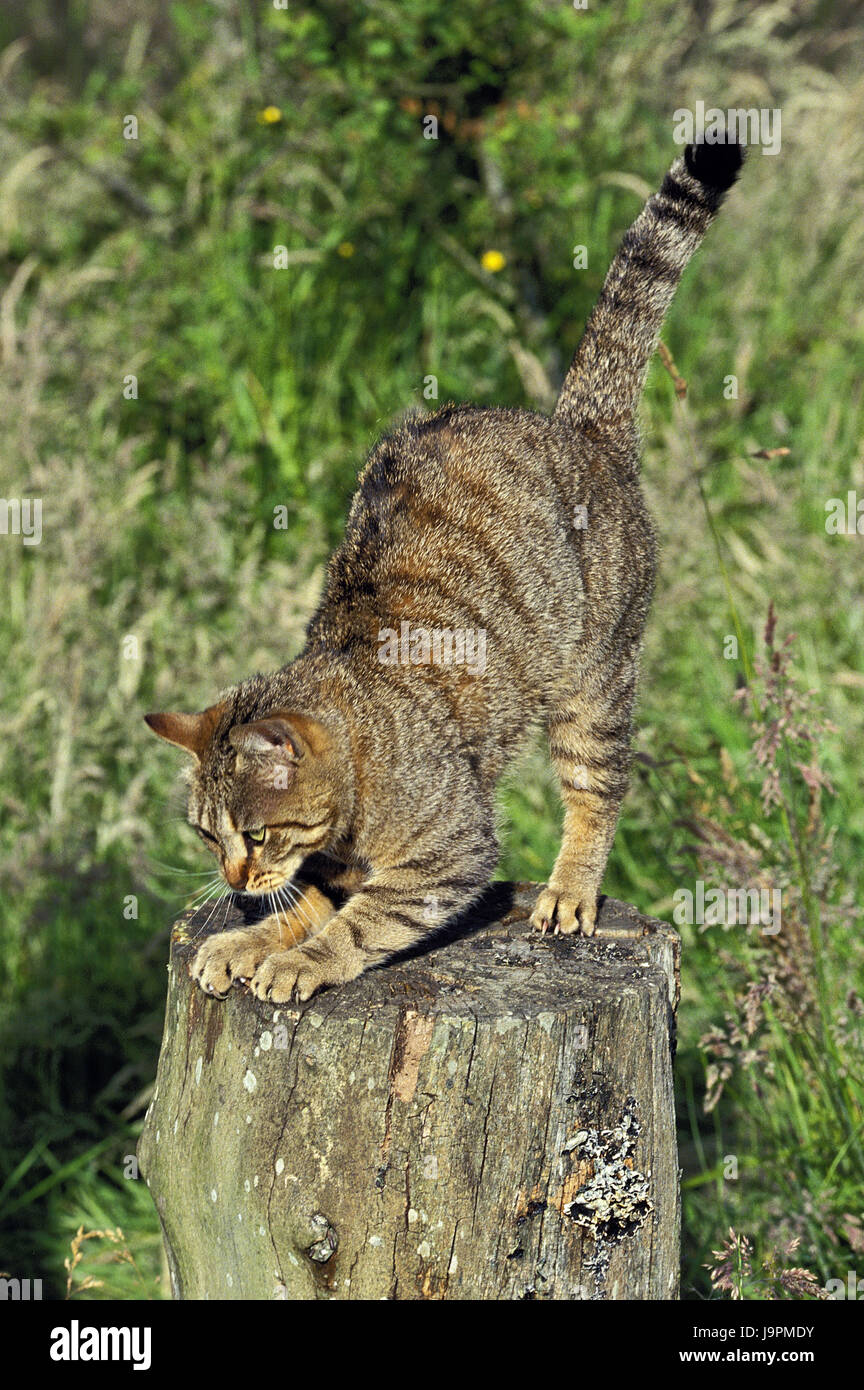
<point>716,165</point>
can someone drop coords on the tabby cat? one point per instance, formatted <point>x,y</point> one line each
<point>360,778</point>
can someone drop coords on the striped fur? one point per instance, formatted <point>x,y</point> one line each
<point>604,383</point>
<point>375,781</point>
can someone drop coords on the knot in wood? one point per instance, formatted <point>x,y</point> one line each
<point>325,1242</point>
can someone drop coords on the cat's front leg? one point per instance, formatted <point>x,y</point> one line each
<point>233,957</point>
<point>379,920</point>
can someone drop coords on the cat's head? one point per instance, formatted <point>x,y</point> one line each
<point>263,795</point>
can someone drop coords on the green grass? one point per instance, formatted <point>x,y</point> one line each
<point>260,388</point>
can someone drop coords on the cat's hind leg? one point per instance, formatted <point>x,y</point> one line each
<point>589,742</point>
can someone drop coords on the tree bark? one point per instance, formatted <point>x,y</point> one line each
<point>490,1119</point>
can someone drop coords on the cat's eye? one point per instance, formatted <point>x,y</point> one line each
<point>256,836</point>
<point>205,835</point>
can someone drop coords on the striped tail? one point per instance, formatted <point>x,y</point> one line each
<point>607,375</point>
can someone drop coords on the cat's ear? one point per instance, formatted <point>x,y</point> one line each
<point>191,732</point>
<point>273,737</point>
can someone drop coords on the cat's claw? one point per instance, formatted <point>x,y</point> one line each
<point>283,978</point>
<point>293,975</point>
<point>229,957</point>
<point>565,913</point>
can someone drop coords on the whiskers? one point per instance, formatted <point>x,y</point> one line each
<point>216,891</point>
<point>176,869</point>
<point>191,887</point>
<point>285,902</point>
<point>287,899</point>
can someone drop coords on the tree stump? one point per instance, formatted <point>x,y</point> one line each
<point>491,1118</point>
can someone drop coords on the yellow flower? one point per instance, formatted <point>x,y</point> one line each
<point>493,261</point>
<point>345,248</point>
<point>270,115</point>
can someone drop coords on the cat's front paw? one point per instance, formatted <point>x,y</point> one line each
<point>565,912</point>
<point>232,956</point>
<point>300,973</point>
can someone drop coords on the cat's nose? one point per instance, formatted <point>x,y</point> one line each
<point>236,873</point>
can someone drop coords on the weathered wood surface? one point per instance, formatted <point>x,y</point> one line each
<point>492,1119</point>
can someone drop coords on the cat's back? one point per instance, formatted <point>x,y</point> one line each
<point>458,517</point>
<point>487,474</point>
<point>464,567</point>
<point>483,507</point>
<point>457,573</point>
